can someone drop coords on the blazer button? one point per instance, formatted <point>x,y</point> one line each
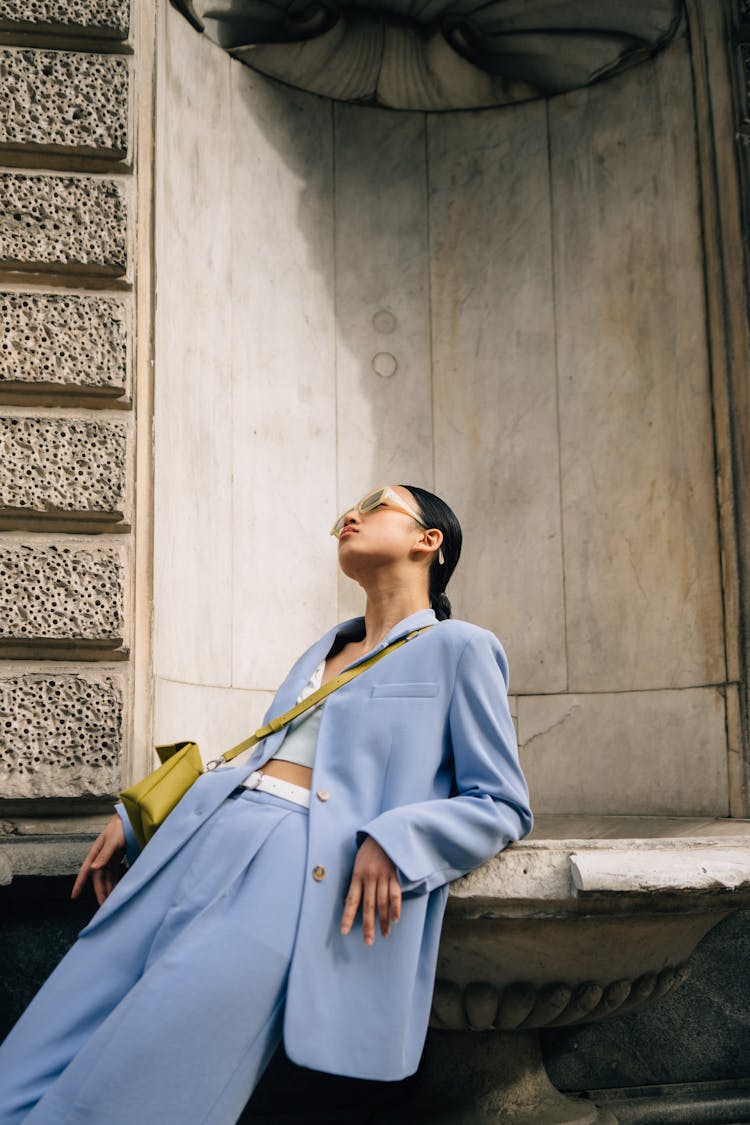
<point>323,795</point>
<point>318,873</point>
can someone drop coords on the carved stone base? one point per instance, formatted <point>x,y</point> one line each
<point>490,1078</point>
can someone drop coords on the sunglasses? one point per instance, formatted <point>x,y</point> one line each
<point>381,497</point>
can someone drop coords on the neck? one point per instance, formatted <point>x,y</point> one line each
<point>389,602</point>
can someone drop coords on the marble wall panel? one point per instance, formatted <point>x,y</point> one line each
<point>383,378</point>
<point>71,341</point>
<point>70,465</point>
<point>109,19</point>
<point>630,753</point>
<point>493,346</point>
<point>64,101</point>
<point>61,594</point>
<point>283,424</point>
<point>62,223</point>
<point>193,407</point>
<point>60,734</point>
<point>640,528</point>
<point>215,718</point>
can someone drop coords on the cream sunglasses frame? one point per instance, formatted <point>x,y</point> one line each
<point>387,493</point>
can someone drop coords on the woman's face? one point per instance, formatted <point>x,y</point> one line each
<point>387,534</point>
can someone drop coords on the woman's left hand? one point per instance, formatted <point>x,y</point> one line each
<point>375,885</point>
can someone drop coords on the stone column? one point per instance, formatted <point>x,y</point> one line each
<point>75,84</point>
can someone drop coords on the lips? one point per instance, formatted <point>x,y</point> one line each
<point>347,531</point>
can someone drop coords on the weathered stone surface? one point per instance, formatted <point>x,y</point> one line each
<point>420,56</point>
<point>282,141</point>
<point>64,100</point>
<point>214,717</point>
<point>650,871</point>
<point>495,395</point>
<point>650,752</point>
<point>700,1032</point>
<point>60,735</point>
<point>62,465</point>
<point>70,340</point>
<point>61,594</point>
<point>382,323</point>
<point>193,471</point>
<point>108,18</point>
<point>59,222</point>
<point>643,588</point>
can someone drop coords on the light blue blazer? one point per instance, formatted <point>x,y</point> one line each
<point>418,752</point>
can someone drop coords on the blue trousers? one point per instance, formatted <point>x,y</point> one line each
<point>171,1010</point>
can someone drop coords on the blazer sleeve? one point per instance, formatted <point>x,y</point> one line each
<point>433,842</point>
<point>132,847</point>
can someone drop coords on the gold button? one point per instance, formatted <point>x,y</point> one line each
<point>318,873</point>
<point>323,795</point>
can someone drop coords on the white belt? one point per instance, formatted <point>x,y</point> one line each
<point>297,794</point>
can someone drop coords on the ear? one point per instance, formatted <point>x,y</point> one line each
<point>429,541</point>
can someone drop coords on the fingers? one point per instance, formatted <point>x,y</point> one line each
<point>83,873</point>
<point>376,889</point>
<point>368,910</point>
<point>384,906</point>
<point>394,892</point>
<point>103,862</point>
<point>351,904</point>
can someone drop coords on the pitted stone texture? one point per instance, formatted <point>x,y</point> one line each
<point>62,465</point>
<point>75,341</point>
<point>61,594</point>
<point>109,18</point>
<point>64,99</point>
<point>62,222</point>
<point>60,736</point>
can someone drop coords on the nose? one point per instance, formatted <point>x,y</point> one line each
<point>352,516</point>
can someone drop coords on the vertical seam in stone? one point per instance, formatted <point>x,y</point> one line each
<point>553,267</point>
<point>428,197</point>
<point>710,231</point>
<point>232,416</point>
<point>334,280</point>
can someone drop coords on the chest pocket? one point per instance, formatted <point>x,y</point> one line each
<point>404,691</point>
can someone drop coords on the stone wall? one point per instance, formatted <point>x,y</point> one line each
<point>67,432</point>
<point>508,305</point>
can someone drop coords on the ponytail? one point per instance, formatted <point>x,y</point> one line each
<point>436,513</point>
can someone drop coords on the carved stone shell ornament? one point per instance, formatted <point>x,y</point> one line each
<point>437,54</point>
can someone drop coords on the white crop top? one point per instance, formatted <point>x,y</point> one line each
<point>302,736</point>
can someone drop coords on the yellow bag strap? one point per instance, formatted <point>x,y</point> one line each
<point>311,701</point>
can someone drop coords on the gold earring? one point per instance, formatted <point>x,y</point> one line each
<point>441,557</point>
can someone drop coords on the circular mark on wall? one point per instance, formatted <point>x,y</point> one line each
<point>384,321</point>
<point>384,364</point>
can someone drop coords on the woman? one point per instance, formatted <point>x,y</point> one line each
<point>250,917</point>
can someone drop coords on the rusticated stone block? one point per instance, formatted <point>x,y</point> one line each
<point>60,735</point>
<point>59,222</point>
<point>76,342</point>
<point>65,595</point>
<point>108,18</point>
<point>53,465</point>
<point>64,100</point>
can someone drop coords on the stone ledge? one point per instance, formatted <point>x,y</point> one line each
<point>545,872</point>
<point>695,1103</point>
<point>68,341</point>
<point>108,19</point>
<point>38,856</point>
<point>650,871</point>
<point>62,224</point>
<point>55,466</point>
<point>60,735</point>
<point>63,101</point>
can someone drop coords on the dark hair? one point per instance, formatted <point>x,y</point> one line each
<point>436,513</point>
